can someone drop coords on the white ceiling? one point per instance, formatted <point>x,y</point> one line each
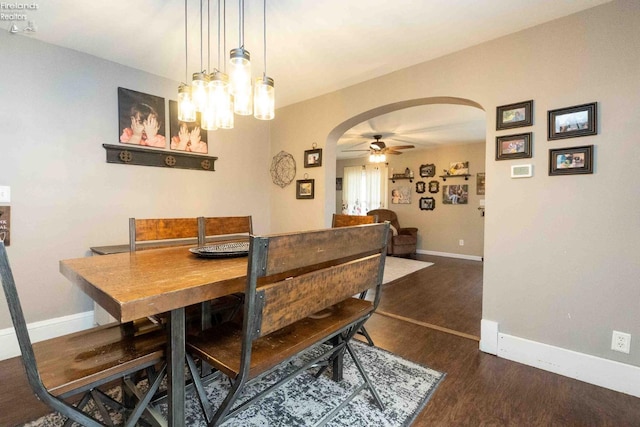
<point>313,47</point>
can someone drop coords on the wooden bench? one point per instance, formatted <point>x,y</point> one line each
<point>290,278</point>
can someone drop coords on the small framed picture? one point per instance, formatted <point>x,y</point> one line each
<point>313,158</point>
<point>421,187</point>
<point>571,161</point>
<point>515,115</point>
<point>427,203</point>
<point>513,146</point>
<point>480,183</point>
<point>580,120</point>
<point>434,186</point>
<point>427,170</point>
<point>338,184</point>
<point>305,188</point>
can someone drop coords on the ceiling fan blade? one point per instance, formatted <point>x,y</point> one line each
<point>392,152</point>
<point>402,147</point>
<point>344,151</point>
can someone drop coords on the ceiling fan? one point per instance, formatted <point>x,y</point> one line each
<point>379,147</point>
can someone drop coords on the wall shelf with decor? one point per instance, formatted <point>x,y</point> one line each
<point>398,178</point>
<point>127,155</point>
<point>466,176</point>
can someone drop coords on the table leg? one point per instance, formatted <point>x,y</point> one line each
<point>176,370</point>
<point>338,362</point>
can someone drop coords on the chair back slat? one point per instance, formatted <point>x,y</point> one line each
<point>289,252</point>
<point>290,300</point>
<point>342,220</point>
<point>219,226</point>
<point>143,230</point>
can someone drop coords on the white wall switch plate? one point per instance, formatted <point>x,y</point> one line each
<point>5,194</point>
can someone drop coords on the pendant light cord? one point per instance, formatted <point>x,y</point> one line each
<point>209,35</point>
<point>200,35</point>
<point>264,14</point>
<point>186,59</point>
<point>241,23</point>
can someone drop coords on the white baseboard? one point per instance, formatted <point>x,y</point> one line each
<point>450,255</point>
<point>489,336</point>
<point>45,329</point>
<point>590,369</point>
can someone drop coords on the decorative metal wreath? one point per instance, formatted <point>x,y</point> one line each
<point>283,169</point>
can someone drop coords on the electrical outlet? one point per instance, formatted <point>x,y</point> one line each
<point>461,242</point>
<point>621,342</point>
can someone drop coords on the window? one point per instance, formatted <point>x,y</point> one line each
<point>364,189</point>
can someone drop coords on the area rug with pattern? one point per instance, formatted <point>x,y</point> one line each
<point>404,388</point>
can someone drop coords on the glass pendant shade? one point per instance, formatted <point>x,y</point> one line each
<point>264,98</point>
<point>220,99</point>
<point>186,109</point>
<point>208,119</point>
<point>199,86</point>
<point>240,80</point>
<point>224,116</point>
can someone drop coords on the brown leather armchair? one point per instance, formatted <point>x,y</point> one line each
<point>402,241</point>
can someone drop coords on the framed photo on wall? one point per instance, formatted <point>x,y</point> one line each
<point>313,158</point>
<point>427,170</point>
<point>427,203</point>
<point>455,194</point>
<point>513,146</point>
<point>515,115</point>
<point>571,161</point>
<point>141,118</point>
<point>305,188</point>
<point>186,136</point>
<point>571,122</point>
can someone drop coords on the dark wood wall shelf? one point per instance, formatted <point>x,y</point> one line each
<point>466,176</point>
<point>404,177</point>
<point>132,155</point>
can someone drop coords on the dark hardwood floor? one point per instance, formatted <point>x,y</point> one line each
<point>433,317</point>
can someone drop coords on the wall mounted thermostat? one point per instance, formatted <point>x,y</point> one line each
<point>521,171</point>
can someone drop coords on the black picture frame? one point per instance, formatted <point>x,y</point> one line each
<point>572,122</point>
<point>571,160</point>
<point>517,146</point>
<point>434,186</point>
<point>420,187</point>
<point>143,105</point>
<point>427,203</point>
<point>313,158</point>
<point>338,184</point>
<point>516,115</point>
<point>428,170</point>
<point>305,188</point>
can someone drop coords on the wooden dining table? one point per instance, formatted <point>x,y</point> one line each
<point>145,283</point>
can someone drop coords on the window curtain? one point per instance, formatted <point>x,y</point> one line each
<point>364,189</point>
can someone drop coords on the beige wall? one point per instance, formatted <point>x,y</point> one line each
<point>57,108</point>
<point>561,252</point>
<point>441,229</point>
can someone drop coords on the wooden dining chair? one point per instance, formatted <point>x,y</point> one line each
<point>290,277</point>
<point>160,230</point>
<point>343,220</point>
<point>79,363</point>
<point>234,227</point>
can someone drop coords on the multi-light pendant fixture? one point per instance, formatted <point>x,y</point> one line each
<point>217,96</point>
